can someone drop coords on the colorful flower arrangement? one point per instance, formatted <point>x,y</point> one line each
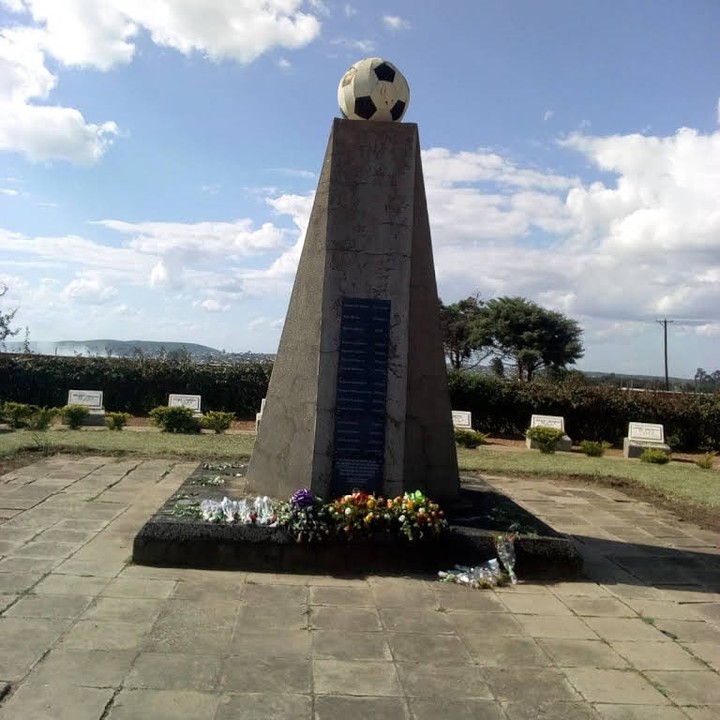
<point>306,516</point>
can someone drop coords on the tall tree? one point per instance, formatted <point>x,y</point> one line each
<point>6,318</point>
<point>529,336</point>
<point>463,338</point>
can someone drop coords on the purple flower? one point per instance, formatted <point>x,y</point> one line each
<point>303,498</point>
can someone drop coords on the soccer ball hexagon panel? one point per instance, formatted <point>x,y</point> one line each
<point>373,89</point>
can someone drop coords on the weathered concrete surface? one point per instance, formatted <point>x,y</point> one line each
<point>84,635</point>
<point>635,448</point>
<point>368,237</point>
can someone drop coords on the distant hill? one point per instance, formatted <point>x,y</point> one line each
<point>127,348</point>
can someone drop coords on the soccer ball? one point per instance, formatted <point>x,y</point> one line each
<point>373,89</point>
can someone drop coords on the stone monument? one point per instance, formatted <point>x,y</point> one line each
<point>358,396</point>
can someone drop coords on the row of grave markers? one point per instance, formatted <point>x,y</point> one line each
<point>93,400</point>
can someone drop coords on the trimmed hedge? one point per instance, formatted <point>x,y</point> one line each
<point>591,412</point>
<point>134,385</point>
<point>499,408</point>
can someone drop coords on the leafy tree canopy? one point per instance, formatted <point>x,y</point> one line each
<point>6,318</point>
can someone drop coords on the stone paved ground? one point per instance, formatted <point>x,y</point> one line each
<point>85,635</point>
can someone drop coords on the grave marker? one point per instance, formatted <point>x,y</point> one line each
<point>189,401</point>
<point>642,436</point>
<point>93,401</point>
<point>556,422</point>
<point>462,419</point>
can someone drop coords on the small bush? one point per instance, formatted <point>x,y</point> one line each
<point>217,420</point>
<point>16,414</point>
<point>469,438</point>
<point>116,420</point>
<point>594,448</point>
<point>706,461</point>
<point>653,455</point>
<point>546,438</point>
<point>41,418</point>
<point>175,419</point>
<point>74,415</point>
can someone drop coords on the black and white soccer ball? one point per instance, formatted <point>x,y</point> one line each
<point>373,89</point>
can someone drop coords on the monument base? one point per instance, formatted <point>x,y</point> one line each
<point>635,448</point>
<point>167,540</point>
<point>95,418</point>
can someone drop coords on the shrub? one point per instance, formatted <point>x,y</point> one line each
<point>74,415</point>
<point>546,438</point>
<point>116,420</point>
<point>594,448</point>
<point>175,419</point>
<point>706,461</point>
<point>217,420</point>
<point>469,438</point>
<point>654,455</point>
<point>41,418</point>
<point>16,414</point>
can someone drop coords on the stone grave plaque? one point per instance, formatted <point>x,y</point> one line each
<point>462,419</point>
<point>646,432</point>
<point>359,438</point>
<point>557,422</point>
<point>89,398</point>
<point>188,401</point>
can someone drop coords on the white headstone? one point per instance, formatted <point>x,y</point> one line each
<point>89,398</point>
<point>462,419</point>
<point>188,401</point>
<point>557,422</point>
<point>646,432</point>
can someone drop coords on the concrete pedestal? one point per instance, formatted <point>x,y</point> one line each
<point>564,444</point>
<point>358,396</point>
<point>635,448</point>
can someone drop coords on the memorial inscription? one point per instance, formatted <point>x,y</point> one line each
<point>359,438</point>
<point>88,398</point>
<point>189,401</point>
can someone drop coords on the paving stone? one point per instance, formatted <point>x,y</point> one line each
<point>275,594</point>
<point>186,627</point>
<point>659,609</point>
<point>689,688</point>
<point>598,607</point>
<point>27,565</point>
<point>163,705</point>
<point>549,711</point>
<point>708,652</point>
<point>23,641</point>
<point>455,597</point>
<point>345,618</point>
<point>56,702</point>
<point>270,706</point>
<point>505,651</point>
<point>274,617</point>
<point>433,621</point>
<point>499,625</point>
<point>426,647</point>
<point>175,671</point>
<point>135,610</point>
<point>581,653</point>
<point>701,713</point>
<point>410,595</point>
<point>48,606</point>
<point>249,643</point>
<point>17,582</point>
<point>614,686</point>
<point>469,709</point>
<point>261,675</point>
<point>533,605</point>
<point>332,707</point>
<point>689,631</point>
<point>56,584</point>
<point>452,682</point>
<point>105,635</point>
<point>544,626</point>
<point>639,712</point>
<point>84,668</point>
<point>531,686</point>
<point>343,596</point>
<point>625,629</point>
<point>368,678</point>
<point>6,601</point>
<point>339,645</point>
<point>657,656</point>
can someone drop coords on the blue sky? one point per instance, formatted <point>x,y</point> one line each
<point>158,160</point>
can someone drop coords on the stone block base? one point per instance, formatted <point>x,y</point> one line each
<point>564,444</point>
<point>635,448</point>
<point>95,418</point>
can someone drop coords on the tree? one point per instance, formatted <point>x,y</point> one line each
<point>6,318</point>
<point>529,336</point>
<point>463,339</point>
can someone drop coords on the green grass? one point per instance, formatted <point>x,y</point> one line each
<point>676,480</point>
<point>207,446</point>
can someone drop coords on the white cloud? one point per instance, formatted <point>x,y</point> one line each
<point>363,46</point>
<point>349,10</point>
<point>284,63</point>
<point>9,192</point>
<point>395,22</point>
<point>548,114</point>
<point>212,305</point>
<point>89,290</point>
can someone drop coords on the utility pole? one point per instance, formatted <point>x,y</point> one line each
<point>664,322</point>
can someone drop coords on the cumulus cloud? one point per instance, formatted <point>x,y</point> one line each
<point>89,290</point>
<point>395,22</point>
<point>102,34</point>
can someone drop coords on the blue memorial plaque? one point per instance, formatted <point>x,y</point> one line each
<point>359,448</point>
